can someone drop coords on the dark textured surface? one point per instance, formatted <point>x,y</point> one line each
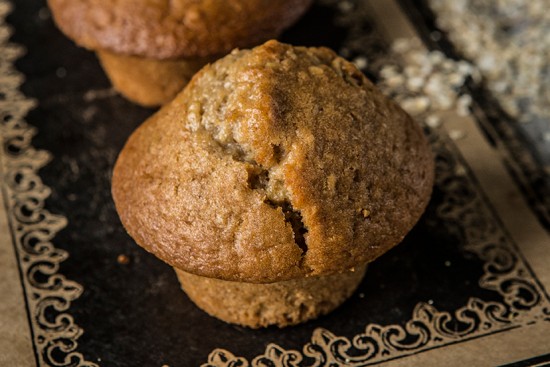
<point>135,314</point>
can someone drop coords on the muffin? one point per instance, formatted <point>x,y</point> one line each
<point>270,182</point>
<point>151,48</point>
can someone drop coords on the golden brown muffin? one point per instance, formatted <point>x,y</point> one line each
<point>175,37</point>
<point>274,164</point>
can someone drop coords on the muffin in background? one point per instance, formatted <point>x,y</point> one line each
<point>150,48</point>
<point>270,182</point>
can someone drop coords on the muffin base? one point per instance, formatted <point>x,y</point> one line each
<point>148,82</point>
<point>282,303</point>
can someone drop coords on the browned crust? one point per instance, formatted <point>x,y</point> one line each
<point>174,28</point>
<point>273,164</point>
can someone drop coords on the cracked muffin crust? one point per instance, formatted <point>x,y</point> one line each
<point>274,163</point>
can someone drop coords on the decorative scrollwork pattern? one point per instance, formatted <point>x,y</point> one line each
<point>48,293</point>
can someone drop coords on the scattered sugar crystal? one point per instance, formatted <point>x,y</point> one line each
<point>425,83</point>
<point>460,170</point>
<point>457,134</point>
<point>463,105</point>
<point>395,80</point>
<point>509,42</point>
<point>415,105</point>
<point>433,121</point>
<point>415,83</point>
<point>361,62</point>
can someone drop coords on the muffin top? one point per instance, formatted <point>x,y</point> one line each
<point>162,29</point>
<point>274,163</point>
